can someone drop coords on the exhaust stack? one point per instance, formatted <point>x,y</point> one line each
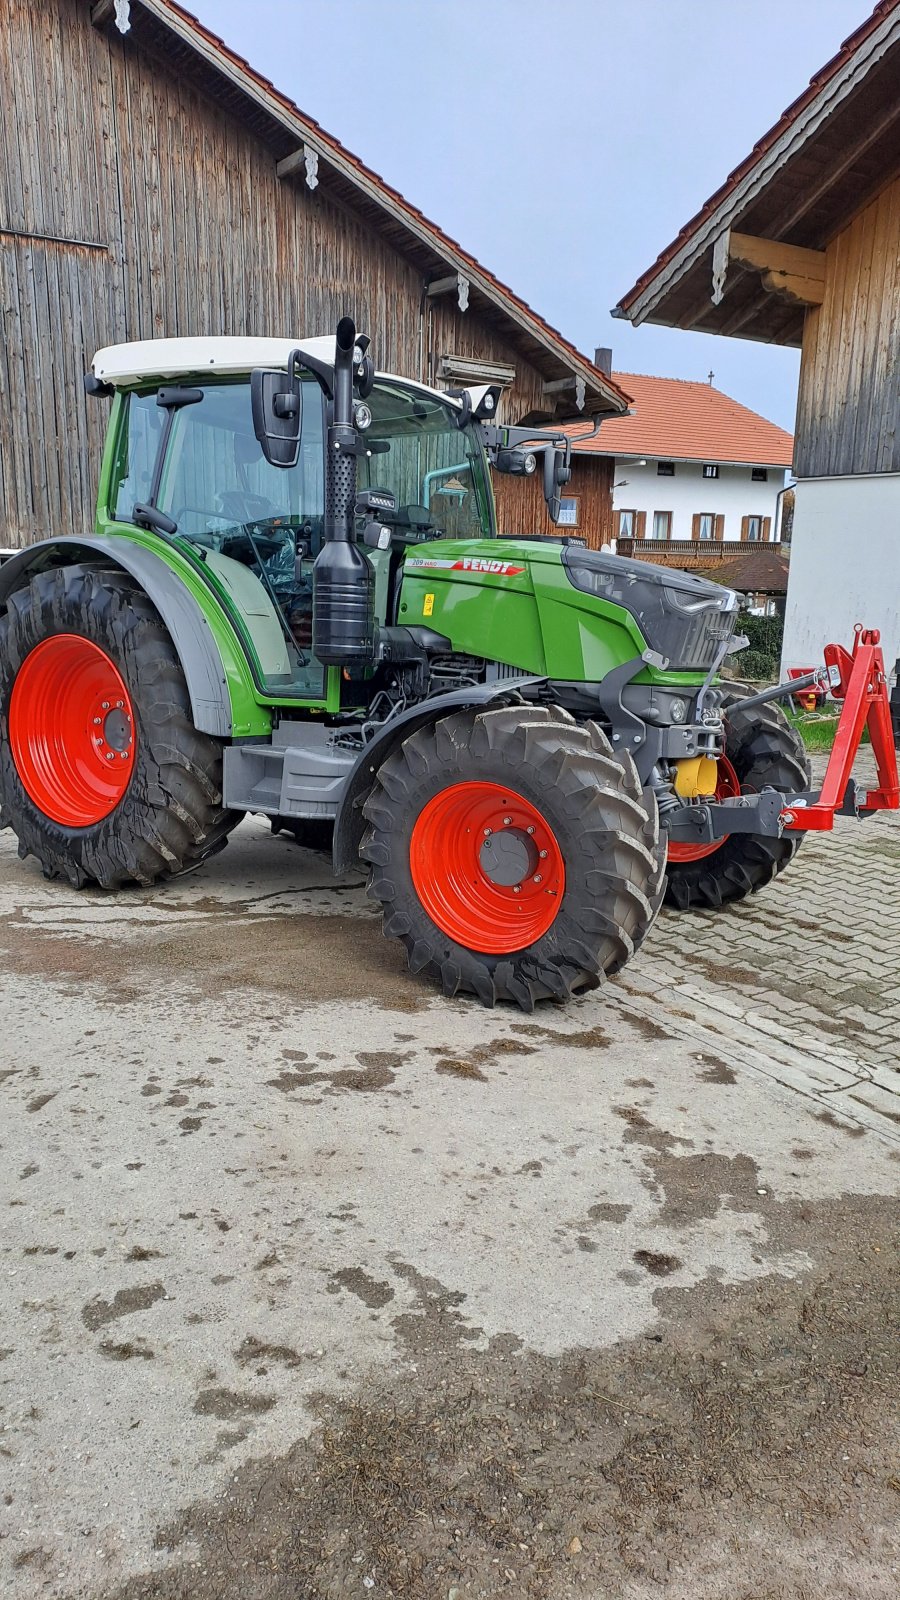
<point>343,580</point>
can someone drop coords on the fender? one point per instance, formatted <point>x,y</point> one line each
<point>198,650</point>
<point>349,823</point>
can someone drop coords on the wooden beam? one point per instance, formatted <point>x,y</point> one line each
<point>798,290</point>
<point>303,160</point>
<point>454,281</point>
<point>443,285</point>
<point>103,11</point>
<point>291,164</point>
<point>770,256</point>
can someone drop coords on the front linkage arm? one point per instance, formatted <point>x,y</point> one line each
<point>858,678</point>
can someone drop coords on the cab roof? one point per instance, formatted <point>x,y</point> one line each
<point>123,365</point>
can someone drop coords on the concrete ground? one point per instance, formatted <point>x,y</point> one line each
<point>317,1285</point>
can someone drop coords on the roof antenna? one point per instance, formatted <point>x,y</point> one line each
<point>710,376</point>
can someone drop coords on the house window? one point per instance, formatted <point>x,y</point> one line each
<point>754,528</point>
<point>665,469</point>
<point>568,512</point>
<point>706,525</point>
<point>626,524</point>
<point>759,474</point>
<point>711,470</point>
<point>662,524</point>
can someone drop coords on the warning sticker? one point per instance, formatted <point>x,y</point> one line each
<point>428,606</point>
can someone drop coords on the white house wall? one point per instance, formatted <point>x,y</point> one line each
<point>845,566</point>
<point>733,494</point>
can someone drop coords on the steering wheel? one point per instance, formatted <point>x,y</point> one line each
<point>250,544</point>
<point>240,507</point>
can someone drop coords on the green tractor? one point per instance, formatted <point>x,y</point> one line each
<point>295,603</point>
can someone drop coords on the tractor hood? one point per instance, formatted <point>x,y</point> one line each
<point>685,619</point>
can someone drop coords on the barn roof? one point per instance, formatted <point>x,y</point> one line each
<point>827,154</point>
<point>679,420</point>
<point>192,49</point>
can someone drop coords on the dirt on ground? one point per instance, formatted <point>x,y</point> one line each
<point>755,1418</point>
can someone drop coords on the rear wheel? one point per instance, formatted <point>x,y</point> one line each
<point>514,854</point>
<point>762,751</point>
<point>103,776</point>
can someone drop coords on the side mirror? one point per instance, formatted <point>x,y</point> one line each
<point>557,472</point>
<point>277,402</point>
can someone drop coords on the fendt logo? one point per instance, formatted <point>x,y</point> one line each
<point>501,569</point>
<point>497,569</point>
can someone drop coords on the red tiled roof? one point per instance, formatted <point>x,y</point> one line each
<point>581,364</point>
<point>830,70</point>
<point>677,420</point>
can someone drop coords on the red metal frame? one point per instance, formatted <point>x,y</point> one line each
<point>864,690</point>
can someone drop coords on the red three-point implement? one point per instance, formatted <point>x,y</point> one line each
<point>863,687</point>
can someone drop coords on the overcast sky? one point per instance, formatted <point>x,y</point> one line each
<point>562,143</point>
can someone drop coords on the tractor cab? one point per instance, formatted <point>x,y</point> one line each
<point>184,460</point>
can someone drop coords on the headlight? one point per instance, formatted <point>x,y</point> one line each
<point>362,417</point>
<point>677,710</point>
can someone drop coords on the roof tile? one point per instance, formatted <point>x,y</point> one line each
<point>679,420</point>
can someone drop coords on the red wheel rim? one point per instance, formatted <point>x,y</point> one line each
<point>728,784</point>
<point>71,730</point>
<point>487,867</point>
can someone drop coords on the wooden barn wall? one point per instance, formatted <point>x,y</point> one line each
<point>521,507</point>
<point>849,403</point>
<point>164,218</point>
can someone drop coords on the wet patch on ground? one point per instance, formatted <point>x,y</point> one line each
<point>452,1064</point>
<point>367,1289</point>
<point>753,1421</point>
<point>377,1070</point>
<point>125,1301</point>
<point>344,957</point>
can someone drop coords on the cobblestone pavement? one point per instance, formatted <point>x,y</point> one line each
<point>808,970</point>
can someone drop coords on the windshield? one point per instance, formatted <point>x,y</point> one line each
<point>434,469</point>
<point>215,482</point>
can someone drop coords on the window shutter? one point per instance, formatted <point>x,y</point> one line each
<point>720,527</point>
<point>640,524</point>
<point>695,525</point>
<point>767,528</point>
<point>745,527</point>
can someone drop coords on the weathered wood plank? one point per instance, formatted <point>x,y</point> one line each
<point>850,376</point>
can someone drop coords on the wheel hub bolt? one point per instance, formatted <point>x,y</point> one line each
<point>537,878</point>
<point>517,888</point>
<point>529,830</point>
<point>507,821</point>
<point>488,832</point>
<point>106,705</point>
<point>543,855</point>
<point>96,722</point>
<point>119,704</point>
<point>110,756</point>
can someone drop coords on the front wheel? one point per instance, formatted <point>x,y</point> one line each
<point>514,854</point>
<point>762,751</point>
<point>103,776</point>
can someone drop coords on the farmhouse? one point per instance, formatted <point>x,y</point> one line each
<point>801,246</point>
<point>698,483</point>
<point>155,185</point>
